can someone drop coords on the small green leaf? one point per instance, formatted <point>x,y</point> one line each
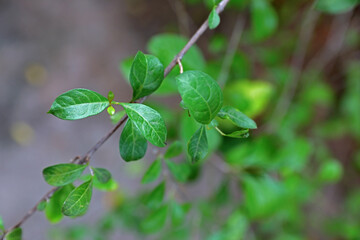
<point>174,150</point>
<point>214,19</point>
<point>78,103</point>
<point>111,110</point>
<point>132,143</point>
<point>78,200</point>
<point>102,174</point>
<point>330,171</point>
<point>155,221</point>
<point>198,145</point>
<point>62,174</point>
<point>156,196</point>
<point>264,19</point>
<point>201,94</point>
<point>41,206</point>
<point>53,207</point>
<point>237,134</point>
<point>110,96</point>
<point>236,117</point>
<point>178,213</point>
<point>2,228</point>
<point>15,234</point>
<point>148,121</point>
<point>109,186</point>
<point>146,75</point>
<point>180,171</point>
<point>153,172</point>
<point>335,6</point>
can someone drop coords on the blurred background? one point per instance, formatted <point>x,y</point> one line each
<point>293,66</point>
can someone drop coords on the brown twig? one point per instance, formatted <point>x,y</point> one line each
<point>87,156</point>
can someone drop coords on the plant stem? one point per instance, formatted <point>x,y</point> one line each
<point>86,157</point>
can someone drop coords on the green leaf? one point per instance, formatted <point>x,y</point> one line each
<point>178,213</point>
<point>155,221</point>
<point>214,19</point>
<point>201,94</point>
<point>237,134</point>
<point>111,96</point>
<point>15,234</point>
<point>2,228</point>
<point>236,117</point>
<point>109,186</point>
<point>165,47</point>
<point>148,121</point>
<point>156,196</point>
<point>78,200</point>
<point>53,207</point>
<point>132,143</point>
<point>102,174</point>
<point>62,174</point>
<point>146,75</point>
<point>264,19</point>
<point>330,171</point>
<point>153,172</point>
<point>335,6</point>
<point>180,171</point>
<point>41,206</point>
<point>198,145</point>
<point>174,150</point>
<point>78,103</point>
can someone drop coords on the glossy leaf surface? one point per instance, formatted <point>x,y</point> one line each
<point>198,145</point>
<point>236,117</point>
<point>78,200</point>
<point>201,94</point>
<point>78,103</point>
<point>102,174</point>
<point>132,143</point>
<point>146,75</point>
<point>62,174</point>
<point>148,121</point>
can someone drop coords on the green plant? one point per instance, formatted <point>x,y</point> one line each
<point>278,172</point>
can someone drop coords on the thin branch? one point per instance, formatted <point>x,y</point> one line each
<point>182,17</point>
<point>231,50</point>
<point>296,65</point>
<point>87,156</point>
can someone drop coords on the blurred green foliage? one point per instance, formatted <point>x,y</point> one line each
<point>294,182</point>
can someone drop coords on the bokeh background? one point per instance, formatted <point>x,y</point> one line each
<point>297,75</point>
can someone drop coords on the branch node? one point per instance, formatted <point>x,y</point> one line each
<point>180,65</point>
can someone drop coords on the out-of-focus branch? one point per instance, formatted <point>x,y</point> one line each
<point>296,66</point>
<point>333,44</point>
<point>183,18</point>
<point>231,50</point>
<point>87,156</point>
